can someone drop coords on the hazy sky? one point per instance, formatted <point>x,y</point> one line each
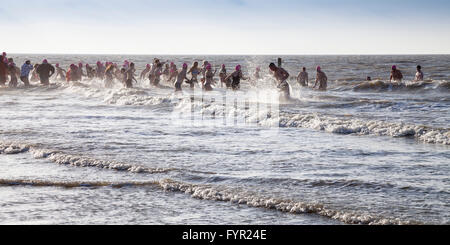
<point>226,26</point>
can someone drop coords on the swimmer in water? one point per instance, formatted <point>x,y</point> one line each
<point>303,78</point>
<point>100,70</point>
<point>145,72</point>
<point>203,71</point>
<point>129,76</point>
<point>109,76</point>
<point>90,71</point>
<point>60,72</point>
<point>45,71</point>
<point>173,72</point>
<point>182,75</point>
<point>12,69</point>
<point>166,71</point>
<point>27,67</point>
<point>151,74</point>
<point>396,75</point>
<point>222,76</point>
<point>71,74</point>
<point>419,74</point>
<point>321,79</point>
<point>157,74</point>
<point>80,72</point>
<point>34,74</point>
<point>3,70</point>
<point>236,77</point>
<point>281,75</point>
<point>194,71</point>
<point>209,78</point>
<point>369,79</point>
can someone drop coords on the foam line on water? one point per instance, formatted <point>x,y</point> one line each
<point>82,161</point>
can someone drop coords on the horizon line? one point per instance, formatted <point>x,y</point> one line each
<point>161,54</point>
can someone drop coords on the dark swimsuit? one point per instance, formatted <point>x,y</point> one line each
<point>235,85</point>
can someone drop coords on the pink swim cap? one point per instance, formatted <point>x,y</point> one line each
<point>238,67</point>
<point>171,63</point>
<point>45,61</point>
<point>208,67</point>
<point>394,67</point>
<point>57,65</point>
<point>318,68</point>
<point>185,65</point>
<point>80,64</point>
<point>258,68</point>
<point>4,54</point>
<point>223,65</point>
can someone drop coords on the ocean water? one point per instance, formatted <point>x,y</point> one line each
<point>359,153</point>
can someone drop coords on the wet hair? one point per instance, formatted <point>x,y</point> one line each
<point>131,64</point>
<point>272,66</point>
<point>419,67</point>
<point>123,70</point>
<point>304,68</point>
<point>27,62</point>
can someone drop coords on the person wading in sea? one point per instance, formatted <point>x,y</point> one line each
<point>321,79</point>
<point>45,71</point>
<point>396,75</point>
<point>281,75</point>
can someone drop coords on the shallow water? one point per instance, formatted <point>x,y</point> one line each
<point>360,153</point>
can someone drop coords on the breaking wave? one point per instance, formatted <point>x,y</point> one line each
<point>361,127</point>
<point>224,194</point>
<point>81,161</point>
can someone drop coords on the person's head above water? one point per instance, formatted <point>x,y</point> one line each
<point>273,67</point>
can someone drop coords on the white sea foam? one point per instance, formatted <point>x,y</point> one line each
<point>217,193</point>
<point>361,127</point>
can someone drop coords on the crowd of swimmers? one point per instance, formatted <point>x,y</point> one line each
<point>109,72</point>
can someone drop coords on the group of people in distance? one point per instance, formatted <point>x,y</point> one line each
<point>109,72</point>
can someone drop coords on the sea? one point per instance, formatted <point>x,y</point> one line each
<point>362,152</point>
